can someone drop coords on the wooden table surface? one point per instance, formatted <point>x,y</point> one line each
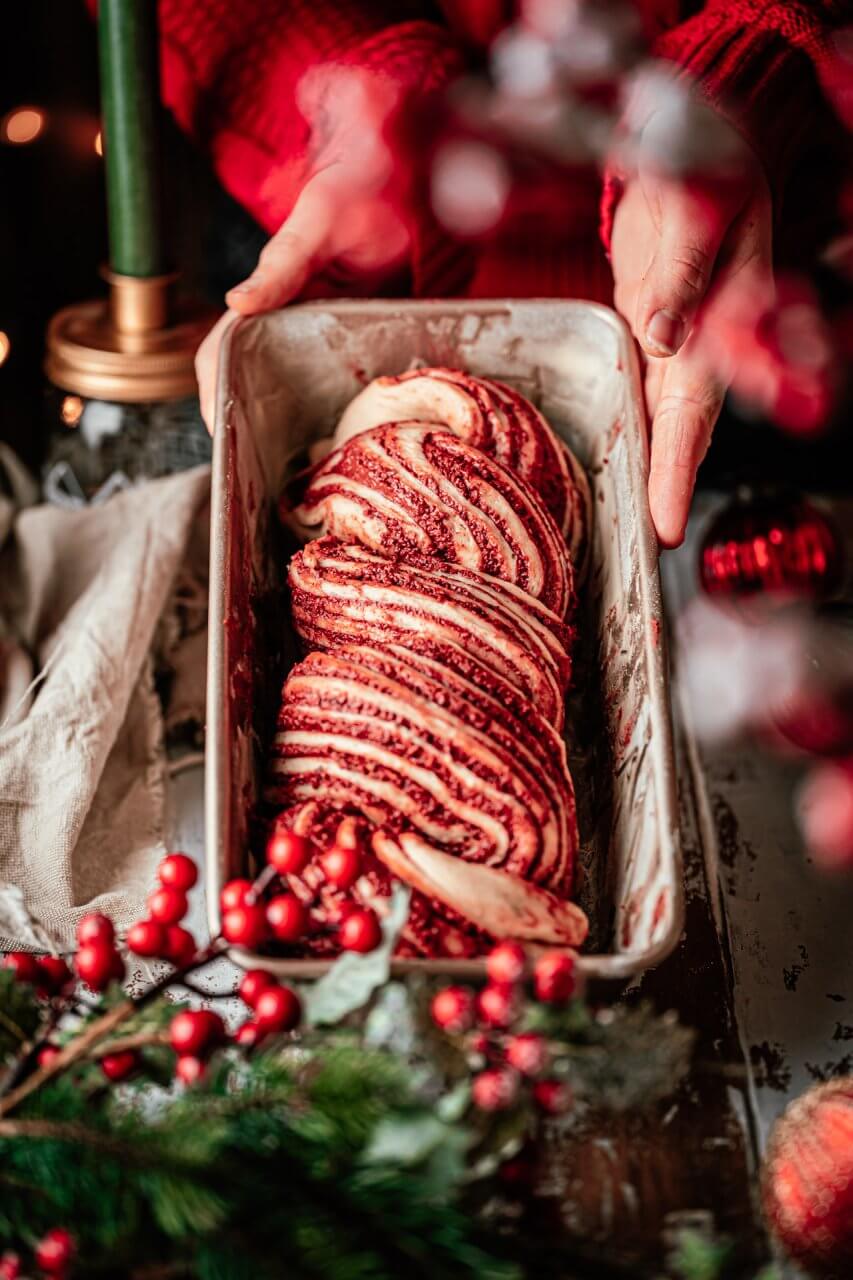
<point>764,972</point>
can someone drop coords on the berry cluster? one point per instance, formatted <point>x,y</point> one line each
<point>249,920</point>
<point>53,1256</point>
<point>511,1059</point>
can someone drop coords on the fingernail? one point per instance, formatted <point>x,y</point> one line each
<point>666,332</point>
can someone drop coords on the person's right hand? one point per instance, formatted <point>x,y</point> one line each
<point>331,222</point>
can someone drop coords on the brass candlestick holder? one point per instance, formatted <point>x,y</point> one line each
<point>136,346</point>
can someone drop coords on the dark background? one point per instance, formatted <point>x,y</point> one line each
<point>53,241</point>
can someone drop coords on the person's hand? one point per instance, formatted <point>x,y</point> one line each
<point>330,222</point>
<point>682,247</point>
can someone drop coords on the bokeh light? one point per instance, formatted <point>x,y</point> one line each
<point>470,187</point>
<point>825,811</point>
<point>22,125</point>
<point>71,410</point>
<point>99,143</point>
<point>5,347</point>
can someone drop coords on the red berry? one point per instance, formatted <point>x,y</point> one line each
<point>146,938</point>
<point>178,872</point>
<point>554,977</point>
<point>453,1009</point>
<point>287,917</point>
<point>10,1266</point>
<point>254,982</point>
<point>95,964</point>
<point>245,926</point>
<point>341,866</point>
<point>248,1034</point>
<point>189,1069</point>
<point>278,1009</point>
<point>479,1043</point>
<point>167,905</point>
<point>54,974</point>
<point>360,931</point>
<point>497,1006</point>
<point>23,965</point>
<point>506,963</point>
<point>494,1090</point>
<point>195,1031</point>
<point>288,852</point>
<point>47,1055</point>
<point>234,894</point>
<point>180,945</point>
<point>55,1251</point>
<point>95,927</point>
<point>118,1066</point>
<point>528,1053</point>
<point>552,1096</point>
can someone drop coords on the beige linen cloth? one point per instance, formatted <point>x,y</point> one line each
<point>88,597</point>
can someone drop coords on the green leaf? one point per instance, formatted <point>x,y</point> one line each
<point>353,978</point>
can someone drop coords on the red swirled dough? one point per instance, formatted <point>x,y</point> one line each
<point>491,631</point>
<point>471,805</point>
<point>408,489</point>
<point>493,418</point>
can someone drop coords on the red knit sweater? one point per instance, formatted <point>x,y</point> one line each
<point>231,73</point>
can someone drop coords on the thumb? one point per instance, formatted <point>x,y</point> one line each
<point>693,224</point>
<point>296,250</point>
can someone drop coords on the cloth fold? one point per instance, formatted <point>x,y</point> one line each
<point>82,758</point>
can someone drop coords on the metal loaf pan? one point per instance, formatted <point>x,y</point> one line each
<point>284,379</point>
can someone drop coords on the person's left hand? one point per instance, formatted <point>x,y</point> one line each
<point>682,246</point>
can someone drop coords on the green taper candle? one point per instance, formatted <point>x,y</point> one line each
<point>130,103</point>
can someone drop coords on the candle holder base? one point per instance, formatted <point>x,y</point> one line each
<point>89,355</point>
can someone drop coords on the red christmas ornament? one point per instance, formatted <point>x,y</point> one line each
<point>495,1089</point>
<point>554,977</point>
<point>236,893</point>
<point>54,976</point>
<point>288,852</point>
<point>453,1009</point>
<point>245,926</point>
<point>360,931</point>
<point>118,1066</point>
<point>254,982</point>
<point>47,1055</point>
<point>95,927</point>
<point>167,905</point>
<point>248,1034</point>
<point>807,1186</point>
<point>506,963</point>
<point>189,1069</point>
<point>497,1006</point>
<point>770,545</point>
<point>95,964</point>
<point>180,945</point>
<point>552,1096</point>
<point>146,938</point>
<point>55,1251</point>
<point>10,1266</point>
<point>341,866</point>
<point>528,1053</point>
<point>277,1009</point>
<point>287,917</point>
<point>195,1031</point>
<point>178,871</point>
<point>23,965</point>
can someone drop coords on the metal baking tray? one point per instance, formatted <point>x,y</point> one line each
<point>284,378</point>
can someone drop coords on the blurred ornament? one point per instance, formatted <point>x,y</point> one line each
<point>5,347</point>
<point>825,811</point>
<point>470,185</point>
<point>816,716</point>
<point>807,1186</point>
<point>770,544</point>
<point>776,351</point>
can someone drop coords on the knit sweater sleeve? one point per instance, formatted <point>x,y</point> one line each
<point>236,75</point>
<point>760,63</point>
